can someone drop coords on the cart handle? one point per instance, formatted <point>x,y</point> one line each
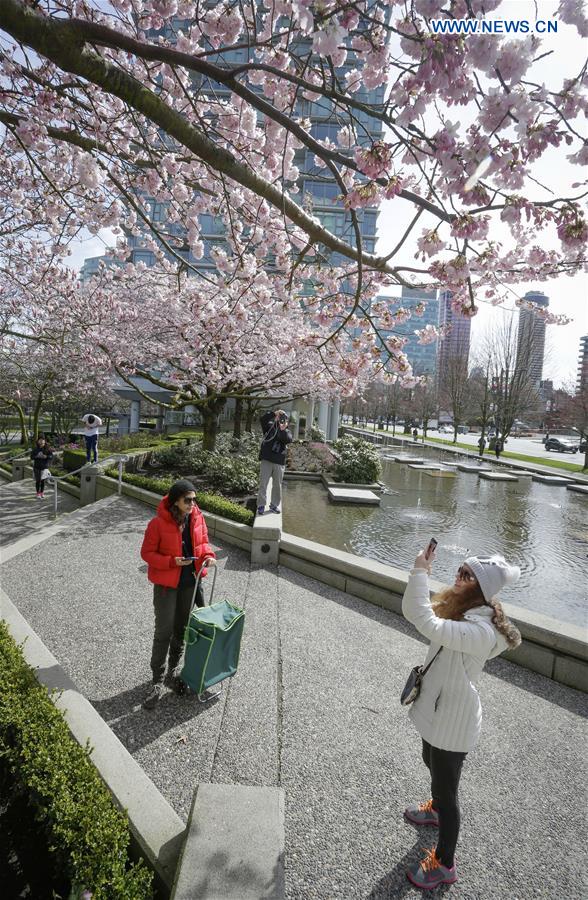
<point>210,561</point>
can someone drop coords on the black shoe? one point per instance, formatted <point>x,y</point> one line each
<point>179,687</point>
<point>153,697</point>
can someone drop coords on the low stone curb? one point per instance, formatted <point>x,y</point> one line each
<point>156,830</point>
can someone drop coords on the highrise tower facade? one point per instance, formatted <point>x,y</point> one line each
<point>531,338</point>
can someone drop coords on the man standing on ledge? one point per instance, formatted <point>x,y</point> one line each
<point>272,453</point>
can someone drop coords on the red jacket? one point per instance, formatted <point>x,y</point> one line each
<point>163,542</point>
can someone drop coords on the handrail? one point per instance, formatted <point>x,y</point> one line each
<point>19,455</point>
<point>54,479</point>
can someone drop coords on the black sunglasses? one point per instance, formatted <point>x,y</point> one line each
<point>465,574</point>
<point>189,499</point>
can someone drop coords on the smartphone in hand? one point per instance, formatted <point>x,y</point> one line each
<point>431,548</point>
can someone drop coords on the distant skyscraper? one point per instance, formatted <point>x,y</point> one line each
<point>457,342</point>
<point>582,383</point>
<point>422,357</point>
<point>531,338</point>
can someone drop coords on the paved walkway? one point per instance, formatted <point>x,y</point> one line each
<point>23,512</point>
<point>314,709</point>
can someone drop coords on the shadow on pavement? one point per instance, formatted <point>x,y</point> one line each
<point>136,727</point>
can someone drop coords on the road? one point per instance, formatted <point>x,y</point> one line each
<point>528,446</point>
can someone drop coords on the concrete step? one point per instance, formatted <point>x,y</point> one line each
<point>234,847</point>
<point>26,524</point>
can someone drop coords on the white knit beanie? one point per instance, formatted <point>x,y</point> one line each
<point>493,573</point>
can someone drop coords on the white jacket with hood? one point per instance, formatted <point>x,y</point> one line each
<point>448,712</point>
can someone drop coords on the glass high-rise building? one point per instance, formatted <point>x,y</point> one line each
<point>456,344</point>
<point>531,338</point>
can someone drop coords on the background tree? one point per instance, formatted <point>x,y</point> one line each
<point>455,388</point>
<point>134,116</point>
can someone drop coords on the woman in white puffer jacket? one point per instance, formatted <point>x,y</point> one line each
<point>467,624</point>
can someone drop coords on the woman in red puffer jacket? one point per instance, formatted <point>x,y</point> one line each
<point>175,548</point>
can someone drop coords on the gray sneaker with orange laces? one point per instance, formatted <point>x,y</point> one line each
<point>422,814</point>
<point>430,873</point>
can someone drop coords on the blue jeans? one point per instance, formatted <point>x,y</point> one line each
<point>91,446</point>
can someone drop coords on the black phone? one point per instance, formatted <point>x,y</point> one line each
<point>190,557</point>
<point>431,548</point>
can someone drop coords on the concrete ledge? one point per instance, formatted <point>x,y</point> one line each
<point>578,488</point>
<point>497,476</point>
<point>156,829</point>
<point>312,570</point>
<point>234,847</point>
<point>302,476</point>
<point>340,494</point>
<point>348,564</point>
<point>559,480</point>
<point>551,648</point>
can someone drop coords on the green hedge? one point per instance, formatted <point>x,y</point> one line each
<point>212,503</point>
<point>87,833</point>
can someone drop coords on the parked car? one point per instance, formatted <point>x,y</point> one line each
<point>583,446</point>
<point>561,445</point>
<point>462,429</point>
<point>445,429</point>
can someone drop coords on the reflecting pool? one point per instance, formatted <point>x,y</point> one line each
<point>539,527</point>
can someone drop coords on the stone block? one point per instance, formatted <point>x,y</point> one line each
<point>497,476</point>
<point>234,848</point>
<point>578,488</point>
<point>570,671</point>
<point>556,480</point>
<point>376,595</point>
<point>533,656</point>
<point>353,495</point>
<point>313,570</point>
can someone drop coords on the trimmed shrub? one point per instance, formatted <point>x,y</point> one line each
<point>73,459</point>
<point>358,463</point>
<point>86,833</point>
<point>212,503</point>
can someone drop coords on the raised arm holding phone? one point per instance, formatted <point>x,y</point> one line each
<point>466,626</point>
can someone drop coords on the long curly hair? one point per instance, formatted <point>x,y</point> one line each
<point>454,604</point>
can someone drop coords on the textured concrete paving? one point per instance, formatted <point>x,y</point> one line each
<point>23,512</point>
<point>314,709</point>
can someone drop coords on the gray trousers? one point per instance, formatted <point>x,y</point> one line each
<point>276,472</point>
<point>172,611</point>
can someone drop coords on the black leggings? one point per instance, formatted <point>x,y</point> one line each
<point>445,768</point>
<point>39,482</point>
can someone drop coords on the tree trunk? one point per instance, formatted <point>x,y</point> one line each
<point>455,435</point>
<point>249,416</point>
<point>36,414</point>
<point>238,419</point>
<point>210,412</point>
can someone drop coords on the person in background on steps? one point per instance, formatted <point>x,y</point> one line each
<point>91,425</point>
<point>498,447</point>
<point>481,445</point>
<point>468,626</point>
<point>175,548</point>
<point>41,456</point>
<point>272,453</point>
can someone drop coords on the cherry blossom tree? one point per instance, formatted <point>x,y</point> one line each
<point>144,116</point>
<point>238,335</point>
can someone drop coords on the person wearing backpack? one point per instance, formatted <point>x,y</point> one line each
<point>466,626</point>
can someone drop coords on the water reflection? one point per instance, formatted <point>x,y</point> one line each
<point>541,528</point>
